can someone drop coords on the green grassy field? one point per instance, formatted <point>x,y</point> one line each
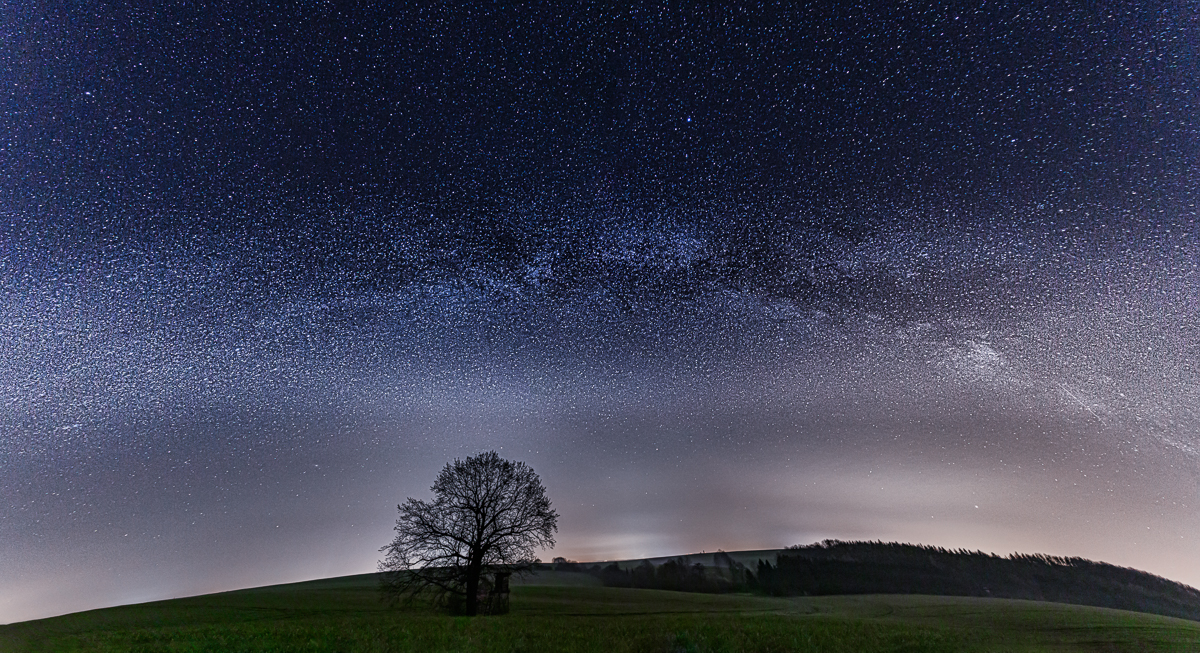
<point>566,612</point>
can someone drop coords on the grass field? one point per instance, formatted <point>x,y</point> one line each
<point>567,612</point>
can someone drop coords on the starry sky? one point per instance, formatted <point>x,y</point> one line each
<point>735,278</point>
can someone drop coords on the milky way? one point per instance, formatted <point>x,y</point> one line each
<point>742,278</point>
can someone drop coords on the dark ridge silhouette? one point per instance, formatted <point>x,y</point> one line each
<point>836,567</point>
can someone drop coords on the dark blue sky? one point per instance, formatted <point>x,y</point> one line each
<point>738,278</point>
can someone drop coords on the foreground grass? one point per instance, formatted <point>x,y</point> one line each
<point>346,615</point>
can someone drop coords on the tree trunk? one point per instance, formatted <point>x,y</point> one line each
<point>473,571</point>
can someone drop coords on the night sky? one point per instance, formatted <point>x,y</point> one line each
<point>732,278</point>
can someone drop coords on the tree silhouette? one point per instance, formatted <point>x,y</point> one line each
<point>487,517</point>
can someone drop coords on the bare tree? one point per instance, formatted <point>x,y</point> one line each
<point>487,516</point>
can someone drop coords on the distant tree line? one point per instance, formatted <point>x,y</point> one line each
<point>835,567</point>
<point>674,574</point>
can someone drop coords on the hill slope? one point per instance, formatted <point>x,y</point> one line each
<point>345,614</point>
